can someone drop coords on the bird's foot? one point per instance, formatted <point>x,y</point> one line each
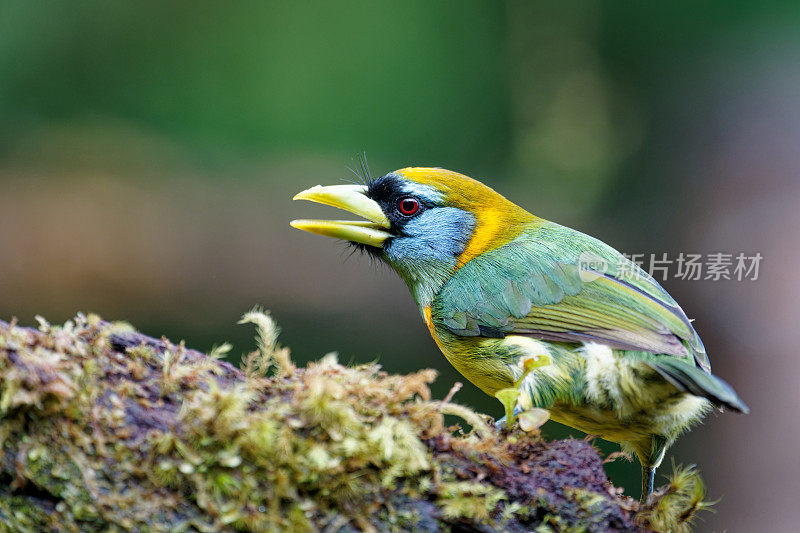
<point>648,480</point>
<point>502,423</point>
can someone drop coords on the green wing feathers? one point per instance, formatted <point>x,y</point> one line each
<point>542,285</point>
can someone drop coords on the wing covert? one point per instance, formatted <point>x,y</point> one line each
<point>558,284</point>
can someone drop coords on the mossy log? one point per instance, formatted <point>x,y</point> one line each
<point>103,428</point>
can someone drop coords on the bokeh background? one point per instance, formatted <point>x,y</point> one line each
<point>149,152</point>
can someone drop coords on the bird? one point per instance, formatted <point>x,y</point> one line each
<point>496,284</point>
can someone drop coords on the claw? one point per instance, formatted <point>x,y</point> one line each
<point>502,423</point>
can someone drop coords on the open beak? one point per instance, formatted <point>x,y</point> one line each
<point>372,231</point>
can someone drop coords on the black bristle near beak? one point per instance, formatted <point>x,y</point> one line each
<point>361,170</point>
<point>370,251</point>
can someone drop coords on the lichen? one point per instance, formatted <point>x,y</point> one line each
<point>104,428</point>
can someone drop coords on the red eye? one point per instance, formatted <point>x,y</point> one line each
<point>408,205</point>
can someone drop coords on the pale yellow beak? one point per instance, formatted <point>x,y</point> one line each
<point>350,198</point>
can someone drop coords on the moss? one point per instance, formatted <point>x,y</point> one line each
<point>674,508</point>
<point>104,428</point>
<point>469,500</point>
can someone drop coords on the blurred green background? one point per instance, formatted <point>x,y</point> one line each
<point>149,152</point>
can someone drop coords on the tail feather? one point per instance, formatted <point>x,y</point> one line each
<point>694,380</point>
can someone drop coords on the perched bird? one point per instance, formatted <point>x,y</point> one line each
<point>495,283</point>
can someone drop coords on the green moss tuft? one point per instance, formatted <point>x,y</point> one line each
<point>469,500</point>
<point>675,507</point>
